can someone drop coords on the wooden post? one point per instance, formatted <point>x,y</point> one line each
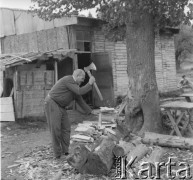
<point>75,61</point>
<point>45,83</point>
<point>56,71</point>
<point>75,66</point>
<point>100,120</point>
<point>15,79</point>
<point>15,86</point>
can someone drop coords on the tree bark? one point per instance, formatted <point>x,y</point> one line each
<point>142,111</point>
<point>168,140</point>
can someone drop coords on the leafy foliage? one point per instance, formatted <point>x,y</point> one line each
<point>116,12</point>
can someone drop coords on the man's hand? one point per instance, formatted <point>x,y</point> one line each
<point>95,112</point>
<point>91,80</point>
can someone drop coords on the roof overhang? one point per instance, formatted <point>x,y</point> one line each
<point>11,60</point>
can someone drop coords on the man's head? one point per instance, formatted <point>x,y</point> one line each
<point>79,75</point>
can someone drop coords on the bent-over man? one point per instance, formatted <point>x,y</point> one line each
<point>62,93</point>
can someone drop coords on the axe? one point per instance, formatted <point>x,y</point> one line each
<point>87,70</point>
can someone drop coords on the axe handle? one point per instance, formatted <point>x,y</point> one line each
<point>96,87</point>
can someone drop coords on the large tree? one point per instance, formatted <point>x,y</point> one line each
<point>135,21</point>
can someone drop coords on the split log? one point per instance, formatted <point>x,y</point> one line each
<point>82,138</point>
<point>123,148</point>
<point>100,161</point>
<point>78,157</point>
<point>123,132</point>
<point>85,130</point>
<point>167,140</point>
<point>138,153</point>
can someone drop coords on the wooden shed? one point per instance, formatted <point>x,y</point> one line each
<point>36,53</point>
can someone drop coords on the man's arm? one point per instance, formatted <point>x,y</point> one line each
<point>78,90</point>
<point>83,104</point>
<point>180,84</point>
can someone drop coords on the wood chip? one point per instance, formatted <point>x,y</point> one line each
<point>14,165</point>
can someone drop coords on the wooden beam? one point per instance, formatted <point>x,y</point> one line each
<point>15,83</point>
<point>75,61</point>
<point>56,71</point>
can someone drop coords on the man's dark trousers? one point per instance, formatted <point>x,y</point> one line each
<point>59,126</point>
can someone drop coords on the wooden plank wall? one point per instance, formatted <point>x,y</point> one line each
<point>32,88</point>
<point>169,63</point>
<point>45,40</point>
<point>15,22</point>
<point>159,63</point>
<point>119,60</point>
<point>164,62</point>
<point>121,68</point>
<point>6,110</point>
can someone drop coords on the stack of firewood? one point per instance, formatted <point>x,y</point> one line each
<point>100,142</point>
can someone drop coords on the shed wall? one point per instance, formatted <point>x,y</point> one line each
<point>32,87</point>
<point>164,62</point>
<point>41,41</point>
<point>15,22</point>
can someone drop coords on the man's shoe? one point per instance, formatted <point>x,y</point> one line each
<point>66,154</point>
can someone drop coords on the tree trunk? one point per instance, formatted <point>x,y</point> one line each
<point>142,111</point>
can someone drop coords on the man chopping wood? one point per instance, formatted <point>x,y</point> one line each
<point>62,93</point>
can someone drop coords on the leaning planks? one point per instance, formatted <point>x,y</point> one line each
<point>6,110</point>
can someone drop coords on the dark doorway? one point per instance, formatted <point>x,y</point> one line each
<point>104,79</point>
<point>84,60</point>
<point>65,67</point>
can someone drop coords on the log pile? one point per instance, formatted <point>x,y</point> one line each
<point>108,139</point>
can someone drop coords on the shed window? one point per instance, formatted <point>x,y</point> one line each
<point>83,40</point>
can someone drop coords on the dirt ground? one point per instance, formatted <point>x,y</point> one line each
<point>21,137</point>
<point>29,141</point>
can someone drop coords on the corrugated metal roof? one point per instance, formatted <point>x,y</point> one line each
<point>9,60</point>
<point>13,59</point>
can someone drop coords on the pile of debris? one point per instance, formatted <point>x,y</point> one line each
<point>37,164</point>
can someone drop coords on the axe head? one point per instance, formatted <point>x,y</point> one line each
<point>90,67</point>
